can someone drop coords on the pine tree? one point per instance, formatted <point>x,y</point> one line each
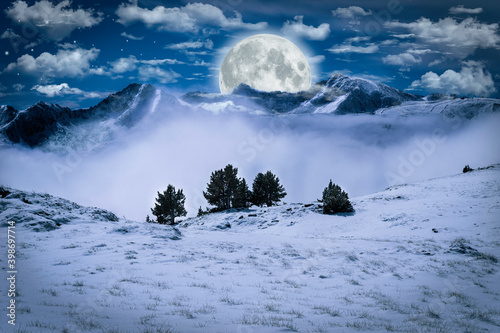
<point>266,189</point>
<point>335,200</point>
<point>222,187</point>
<point>169,205</point>
<point>242,195</point>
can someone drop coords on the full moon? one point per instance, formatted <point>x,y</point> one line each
<point>267,63</point>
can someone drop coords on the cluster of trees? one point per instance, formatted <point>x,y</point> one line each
<point>226,190</point>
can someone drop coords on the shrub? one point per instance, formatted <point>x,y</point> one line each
<point>467,168</point>
<point>335,200</point>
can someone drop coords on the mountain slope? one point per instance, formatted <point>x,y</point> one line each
<point>357,95</point>
<point>42,123</point>
<point>415,257</point>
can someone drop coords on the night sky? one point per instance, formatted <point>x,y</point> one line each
<point>75,53</point>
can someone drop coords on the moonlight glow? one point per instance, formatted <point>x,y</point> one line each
<point>267,63</point>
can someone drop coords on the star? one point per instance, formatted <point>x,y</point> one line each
<point>7,53</point>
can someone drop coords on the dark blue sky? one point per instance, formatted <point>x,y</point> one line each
<point>75,53</point>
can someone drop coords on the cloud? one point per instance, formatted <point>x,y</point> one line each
<point>316,59</point>
<point>437,61</point>
<point>298,29</point>
<point>457,39</point>
<point>148,73</point>
<point>52,90</point>
<point>126,35</point>
<point>18,87</point>
<point>403,59</point>
<point>420,51</point>
<point>9,34</point>
<point>461,10</point>
<point>162,62</point>
<point>350,12</point>
<point>347,46</point>
<point>365,151</point>
<point>472,79</point>
<point>67,62</point>
<point>189,18</point>
<point>123,65</point>
<point>53,22</point>
<point>191,45</point>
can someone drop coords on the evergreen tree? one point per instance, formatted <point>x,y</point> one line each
<point>169,205</point>
<point>222,187</point>
<point>266,189</point>
<point>335,200</point>
<point>258,190</point>
<point>242,195</point>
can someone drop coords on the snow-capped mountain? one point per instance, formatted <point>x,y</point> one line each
<point>343,94</point>
<point>53,126</point>
<point>340,94</point>
<point>420,257</point>
<point>43,123</point>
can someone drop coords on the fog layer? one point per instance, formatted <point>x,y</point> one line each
<point>363,154</point>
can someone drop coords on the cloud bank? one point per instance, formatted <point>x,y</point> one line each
<point>305,152</point>
<point>54,22</point>
<point>189,18</point>
<point>473,79</point>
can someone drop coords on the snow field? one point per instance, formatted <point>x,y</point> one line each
<point>415,258</point>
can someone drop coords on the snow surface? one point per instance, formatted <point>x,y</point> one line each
<point>414,258</point>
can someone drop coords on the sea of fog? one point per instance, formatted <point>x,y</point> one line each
<point>361,153</point>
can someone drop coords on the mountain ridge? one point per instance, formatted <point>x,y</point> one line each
<point>338,95</point>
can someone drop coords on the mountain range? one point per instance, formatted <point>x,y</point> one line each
<point>43,123</point>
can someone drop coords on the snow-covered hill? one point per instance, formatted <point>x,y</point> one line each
<point>419,257</point>
<point>466,108</point>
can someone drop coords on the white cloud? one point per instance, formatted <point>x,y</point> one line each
<point>403,36</point>
<point>297,28</point>
<point>316,59</point>
<point>9,34</point>
<point>347,46</point>
<point>123,65</point>
<point>53,22</point>
<point>358,39</point>
<point>200,63</point>
<point>350,12</point>
<point>437,61</point>
<point>189,18</point>
<point>162,62</point>
<point>148,73</point>
<point>420,51</point>
<point>458,39</point>
<point>191,45</point>
<point>461,10</point>
<point>18,87</point>
<point>129,36</point>
<point>52,90</point>
<point>403,59</point>
<point>472,79</point>
<point>67,62</point>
